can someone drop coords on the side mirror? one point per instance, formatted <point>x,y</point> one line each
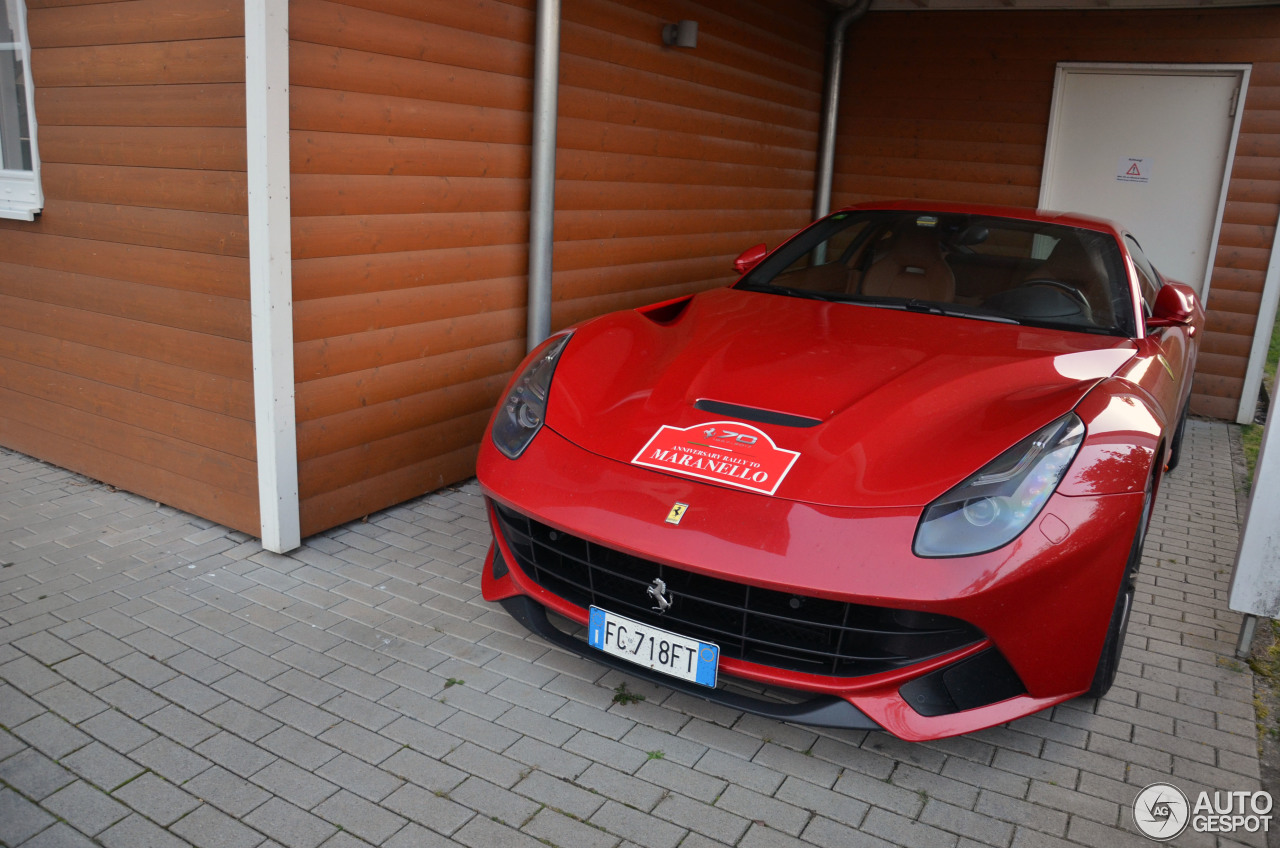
<point>1175,304</point>
<point>750,258</point>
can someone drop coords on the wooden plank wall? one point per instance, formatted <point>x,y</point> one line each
<point>124,318</point>
<point>410,143</point>
<point>955,106</point>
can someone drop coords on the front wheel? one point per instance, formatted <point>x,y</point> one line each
<point>1109,662</point>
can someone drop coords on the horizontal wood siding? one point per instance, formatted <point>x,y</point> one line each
<point>955,106</point>
<point>410,143</point>
<point>124,316</point>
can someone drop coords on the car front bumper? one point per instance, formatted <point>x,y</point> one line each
<point>1042,602</point>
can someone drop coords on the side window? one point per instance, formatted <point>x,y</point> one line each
<point>20,194</point>
<point>1148,280</point>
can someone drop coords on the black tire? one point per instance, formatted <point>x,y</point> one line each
<point>1175,447</point>
<point>1109,662</point>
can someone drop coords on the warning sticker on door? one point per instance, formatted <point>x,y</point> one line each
<point>1133,170</point>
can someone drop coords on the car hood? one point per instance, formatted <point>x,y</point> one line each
<point>903,405</point>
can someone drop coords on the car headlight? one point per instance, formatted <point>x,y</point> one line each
<point>524,409</point>
<point>992,507</point>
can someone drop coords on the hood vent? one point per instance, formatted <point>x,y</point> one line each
<point>760,416</point>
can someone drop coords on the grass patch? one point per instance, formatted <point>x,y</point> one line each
<point>1265,662</point>
<point>1251,434</point>
<point>622,696</point>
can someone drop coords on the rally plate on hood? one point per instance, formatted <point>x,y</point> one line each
<point>727,452</point>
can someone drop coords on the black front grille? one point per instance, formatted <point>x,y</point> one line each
<point>764,626</point>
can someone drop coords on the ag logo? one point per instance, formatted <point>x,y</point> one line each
<point>1161,811</point>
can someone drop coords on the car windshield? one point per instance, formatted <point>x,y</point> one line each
<point>974,266</point>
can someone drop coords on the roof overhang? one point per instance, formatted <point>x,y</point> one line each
<point>981,5</point>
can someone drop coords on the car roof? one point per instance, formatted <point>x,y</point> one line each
<point>1067,219</point>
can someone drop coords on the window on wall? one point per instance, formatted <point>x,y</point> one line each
<point>20,195</point>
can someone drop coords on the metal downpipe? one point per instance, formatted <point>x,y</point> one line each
<point>831,105</point>
<point>542,177</point>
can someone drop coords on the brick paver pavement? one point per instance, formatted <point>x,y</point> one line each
<point>164,681</point>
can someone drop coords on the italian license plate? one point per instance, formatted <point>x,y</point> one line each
<point>652,647</point>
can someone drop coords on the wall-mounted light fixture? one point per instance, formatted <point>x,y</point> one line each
<point>683,34</point>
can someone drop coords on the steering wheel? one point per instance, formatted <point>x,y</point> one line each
<point>1071,291</point>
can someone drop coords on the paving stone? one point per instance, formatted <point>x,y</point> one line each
<point>208,827</point>
<point>118,730</point>
<point>19,818</point>
<point>243,721</point>
<point>28,675</point>
<point>157,799</point>
<point>358,816</point>
<point>234,754</point>
<point>169,759</point>
<point>358,742</point>
<point>548,758</point>
<point>301,715</point>
<point>359,777</point>
<point>479,761</point>
<point>420,737</point>
<point>33,774</point>
<point>51,735</point>
<point>551,827</point>
<point>46,648</point>
<point>60,835</point>
<point>415,836</point>
<point>15,707</point>
<point>233,795</point>
<point>559,795</point>
<point>131,698</point>
<point>71,702</point>
<point>614,784</point>
<point>191,694</point>
<point>180,725</point>
<point>102,766</point>
<point>811,769</point>
<point>10,744</point>
<point>431,808</point>
<point>86,808</point>
<point>137,832</point>
<point>289,825</point>
<point>905,832</point>
<point>740,772</point>
<point>298,748</point>
<point>298,786</point>
<point>773,812</point>
<point>86,672</point>
<point>639,827</point>
<point>423,770</point>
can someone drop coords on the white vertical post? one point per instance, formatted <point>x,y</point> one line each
<point>1255,581</point>
<point>266,38</point>
<point>1261,335</point>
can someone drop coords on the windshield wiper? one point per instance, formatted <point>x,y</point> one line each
<point>794,292</point>
<point>950,310</point>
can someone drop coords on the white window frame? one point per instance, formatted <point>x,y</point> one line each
<point>21,196</point>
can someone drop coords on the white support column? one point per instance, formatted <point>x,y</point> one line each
<point>1255,581</point>
<point>266,37</point>
<point>1261,335</point>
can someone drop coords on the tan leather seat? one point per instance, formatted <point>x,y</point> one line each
<point>914,267</point>
<point>1071,262</point>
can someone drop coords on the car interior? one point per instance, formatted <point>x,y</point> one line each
<point>1029,271</point>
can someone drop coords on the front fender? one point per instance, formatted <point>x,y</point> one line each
<point>1123,435</point>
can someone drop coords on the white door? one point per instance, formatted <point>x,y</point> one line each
<point>1148,147</point>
